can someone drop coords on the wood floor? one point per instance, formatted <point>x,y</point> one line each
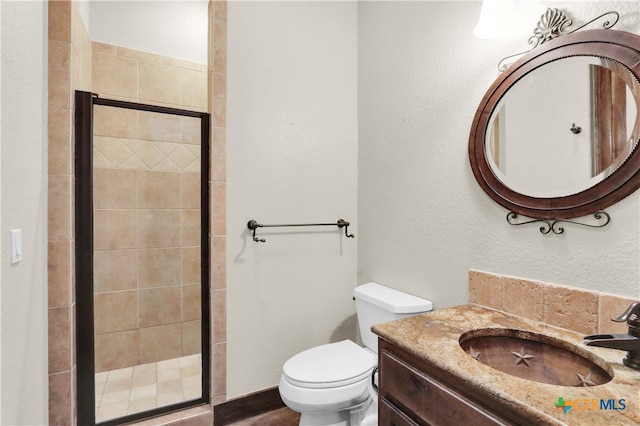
<point>280,417</point>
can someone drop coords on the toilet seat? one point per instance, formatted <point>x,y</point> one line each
<point>330,366</point>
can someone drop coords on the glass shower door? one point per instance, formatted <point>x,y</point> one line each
<point>149,231</point>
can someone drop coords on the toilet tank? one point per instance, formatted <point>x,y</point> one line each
<point>376,304</point>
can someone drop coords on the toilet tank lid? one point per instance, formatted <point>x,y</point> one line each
<point>392,300</point>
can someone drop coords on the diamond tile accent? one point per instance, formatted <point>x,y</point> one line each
<point>194,167</point>
<point>181,157</point>
<point>100,161</point>
<point>134,163</point>
<point>150,155</point>
<point>167,147</point>
<point>166,165</point>
<point>112,149</point>
<point>194,149</point>
<point>115,153</point>
<point>134,145</point>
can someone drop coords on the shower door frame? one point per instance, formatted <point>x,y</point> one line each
<point>85,344</point>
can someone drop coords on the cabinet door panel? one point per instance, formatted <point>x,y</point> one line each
<point>427,398</point>
<point>388,415</point>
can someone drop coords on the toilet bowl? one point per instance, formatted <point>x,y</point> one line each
<point>327,382</point>
<point>331,384</point>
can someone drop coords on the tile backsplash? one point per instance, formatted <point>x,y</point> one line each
<point>583,311</point>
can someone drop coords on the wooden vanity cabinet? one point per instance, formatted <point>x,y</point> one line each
<point>411,395</point>
<point>388,414</point>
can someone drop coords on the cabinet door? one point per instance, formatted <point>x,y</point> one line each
<point>426,398</point>
<point>388,415</point>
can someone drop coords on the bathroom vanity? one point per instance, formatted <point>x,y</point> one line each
<point>410,388</point>
<point>427,378</point>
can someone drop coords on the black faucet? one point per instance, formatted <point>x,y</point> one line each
<point>625,342</point>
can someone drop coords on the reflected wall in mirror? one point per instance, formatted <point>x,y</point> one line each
<point>556,135</point>
<point>535,146</point>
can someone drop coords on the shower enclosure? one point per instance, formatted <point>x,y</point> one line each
<point>142,259</point>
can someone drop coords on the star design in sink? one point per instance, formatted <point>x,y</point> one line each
<point>474,354</point>
<point>522,357</point>
<point>586,380</point>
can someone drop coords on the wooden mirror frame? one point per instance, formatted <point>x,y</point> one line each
<point>618,46</point>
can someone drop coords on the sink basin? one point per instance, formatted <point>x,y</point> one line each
<point>536,357</point>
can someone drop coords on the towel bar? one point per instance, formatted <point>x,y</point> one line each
<point>341,223</point>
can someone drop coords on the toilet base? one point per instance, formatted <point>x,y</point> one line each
<point>339,418</point>
<point>365,415</point>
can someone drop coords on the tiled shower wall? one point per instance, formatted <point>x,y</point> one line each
<point>146,209</point>
<point>69,60</point>
<point>128,74</point>
<point>146,237</point>
<point>70,65</point>
<point>218,194</point>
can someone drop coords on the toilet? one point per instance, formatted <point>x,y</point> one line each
<point>333,384</point>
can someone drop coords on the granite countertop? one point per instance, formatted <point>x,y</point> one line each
<point>434,338</point>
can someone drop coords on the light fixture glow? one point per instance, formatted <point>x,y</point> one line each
<point>498,18</point>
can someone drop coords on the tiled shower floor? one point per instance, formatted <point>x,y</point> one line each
<point>144,387</point>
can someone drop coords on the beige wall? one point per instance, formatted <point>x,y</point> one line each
<point>292,149</point>
<point>422,221</point>
<point>23,293</point>
<point>420,85</point>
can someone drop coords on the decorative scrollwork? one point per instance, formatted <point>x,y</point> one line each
<point>554,23</point>
<point>605,25</point>
<point>553,225</point>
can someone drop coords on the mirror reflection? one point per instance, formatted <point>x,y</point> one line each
<point>564,127</point>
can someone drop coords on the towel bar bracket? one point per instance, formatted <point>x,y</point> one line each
<point>341,223</point>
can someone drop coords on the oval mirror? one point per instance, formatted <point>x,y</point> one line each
<point>534,144</point>
<point>556,135</point>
